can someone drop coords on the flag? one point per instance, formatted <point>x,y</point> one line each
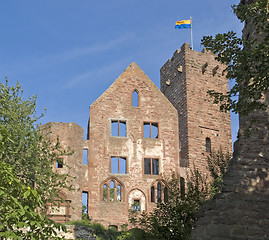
<point>183,24</point>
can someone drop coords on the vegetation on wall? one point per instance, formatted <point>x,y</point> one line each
<point>246,58</point>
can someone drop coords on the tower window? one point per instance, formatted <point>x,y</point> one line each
<point>135,98</point>
<point>151,166</point>
<point>151,130</point>
<point>208,145</point>
<point>118,128</point>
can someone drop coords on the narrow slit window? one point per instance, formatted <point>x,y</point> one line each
<point>118,128</point>
<point>118,165</point>
<point>85,204</point>
<point>151,130</point>
<point>208,145</point>
<point>151,166</point>
<point>119,193</point>
<point>105,192</point>
<point>60,163</point>
<point>152,194</point>
<point>135,99</point>
<point>85,156</point>
<point>159,192</point>
<point>165,193</point>
<point>112,190</point>
<point>182,186</point>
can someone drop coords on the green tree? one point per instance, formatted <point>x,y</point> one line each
<point>246,58</point>
<point>175,218</point>
<point>29,152</point>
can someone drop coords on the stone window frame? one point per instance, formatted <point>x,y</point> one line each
<point>155,187</point>
<point>126,164</point>
<point>151,166</point>
<point>118,128</point>
<point>116,183</point>
<point>150,131</point>
<point>208,145</point>
<point>138,98</point>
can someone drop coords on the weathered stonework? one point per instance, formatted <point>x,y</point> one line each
<point>241,211</point>
<point>179,121</point>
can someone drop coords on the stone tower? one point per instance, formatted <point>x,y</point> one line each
<point>185,80</point>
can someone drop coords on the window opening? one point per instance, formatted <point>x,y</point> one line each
<point>118,165</point>
<point>136,206</point>
<point>60,163</point>
<point>118,128</point>
<point>182,186</point>
<point>159,192</point>
<point>152,194</point>
<point>165,192</point>
<point>119,193</point>
<point>85,205</point>
<point>151,130</point>
<point>208,145</point>
<point>135,99</point>
<point>111,193</point>
<point>85,156</point>
<point>105,192</point>
<point>151,166</point>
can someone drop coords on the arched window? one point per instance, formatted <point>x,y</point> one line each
<point>119,193</point>
<point>165,193</point>
<point>152,194</point>
<point>208,145</point>
<point>159,192</point>
<point>105,192</point>
<point>112,190</point>
<point>135,99</point>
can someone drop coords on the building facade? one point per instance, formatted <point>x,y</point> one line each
<point>137,135</point>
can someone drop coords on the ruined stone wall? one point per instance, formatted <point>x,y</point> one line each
<point>116,104</point>
<point>70,136</point>
<point>241,210</point>
<point>185,80</point>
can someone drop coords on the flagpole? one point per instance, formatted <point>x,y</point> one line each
<point>191,35</point>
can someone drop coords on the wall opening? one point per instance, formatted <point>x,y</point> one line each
<point>60,163</point>
<point>152,194</point>
<point>85,156</point>
<point>208,145</point>
<point>85,214</point>
<point>136,205</point>
<point>118,165</point>
<point>182,186</point>
<point>118,128</point>
<point>151,166</point>
<point>151,130</point>
<point>135,99</point>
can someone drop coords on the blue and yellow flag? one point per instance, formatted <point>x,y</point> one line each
<point>183,24</point>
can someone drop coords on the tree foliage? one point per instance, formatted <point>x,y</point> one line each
<point>29,152</point>
<point>28,181</point>
<point>247,60</point>
<point>175,218</point>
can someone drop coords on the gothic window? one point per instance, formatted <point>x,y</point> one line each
<point>112,190</point>
<point>208,145</point>
<point>135,98</point>
<point>151,130</point>
<point>152,194</point>
<point>159,192</point>
<point>118,165</point>
<point>118,128</point>
<point>151,166</point>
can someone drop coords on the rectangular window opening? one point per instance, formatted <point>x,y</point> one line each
<point>136,206</point>
<point>60,163</point>
<point>151,130</point>
<point>118,128</point>
<point>151,166</point>
<point>85,214</point>
<point>85,156</point>
<point>118,165</point>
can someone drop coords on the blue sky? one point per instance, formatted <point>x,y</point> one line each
<point>69,52</point>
